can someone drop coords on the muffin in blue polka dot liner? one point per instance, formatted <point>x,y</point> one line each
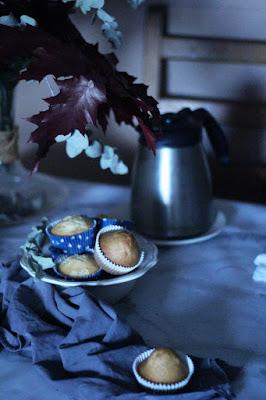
<point>104,221</point>
<point>73,234</point>
<point>77,267</point>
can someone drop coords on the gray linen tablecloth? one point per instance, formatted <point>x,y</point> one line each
<point>199,298</point>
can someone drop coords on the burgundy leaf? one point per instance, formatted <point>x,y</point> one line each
<point>149,136</point>
<point>75,106</point>
<point>58,59</point>
<point>103,114</point>
<point>16,43</point>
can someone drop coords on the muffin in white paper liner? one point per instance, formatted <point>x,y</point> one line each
<point>104,262</point>
<point>162,387</point>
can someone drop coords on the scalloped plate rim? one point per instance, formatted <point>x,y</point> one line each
<point>104,282</point>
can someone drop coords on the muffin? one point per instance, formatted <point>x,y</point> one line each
<point>81,266</point>
<point>73,234</point>
<point>163,366</point>
<point>71,225</point>
<point>117,250</point>
<point>120,247</point>
<point>163,369</point>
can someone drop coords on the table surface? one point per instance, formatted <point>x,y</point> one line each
<point>199,298</point>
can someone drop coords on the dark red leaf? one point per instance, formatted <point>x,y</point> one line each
<point>57,59</point>
<point>149,136</point>
<point>75,107</point>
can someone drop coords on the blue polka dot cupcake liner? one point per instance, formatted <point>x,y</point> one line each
<point>61,258</point>
<point>162,387</point>
<point>73,244</point>
<point>55,252</point>
<point>105,221</point>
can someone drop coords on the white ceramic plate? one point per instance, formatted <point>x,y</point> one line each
<point>215,229</point>
<point>150,260</point>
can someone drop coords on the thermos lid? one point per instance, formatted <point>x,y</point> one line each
<point>177,130</point>
<point>184,129</point>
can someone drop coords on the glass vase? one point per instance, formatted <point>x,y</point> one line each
<point>21,194</point>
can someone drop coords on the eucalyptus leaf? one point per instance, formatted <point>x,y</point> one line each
<point>104,16</point>
<point>110,31</point>
<point>76,143</point>
<point>105,163</point>
<point>62,138</point>
<point>86,5</point>
<point>110,159</point>
<point>34,250</point>
<point>94,150</point>
<point>120,168</point>
<point>26,20</point>
<point>34,232</point>
<point>36,238</point>
<point>29,246</point>
<point>107,157</point>
<point>43,262</point>
<point>8,20</point>
<point>36,269</point>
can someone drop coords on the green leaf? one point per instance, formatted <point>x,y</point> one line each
<point>43,262</point>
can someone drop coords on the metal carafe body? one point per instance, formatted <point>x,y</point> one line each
<point>172,192</point>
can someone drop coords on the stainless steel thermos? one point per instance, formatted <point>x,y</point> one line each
<point>172,192</point>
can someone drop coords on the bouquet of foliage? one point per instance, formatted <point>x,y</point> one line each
<point>37,39</point>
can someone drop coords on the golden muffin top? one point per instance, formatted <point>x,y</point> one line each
<point>120,247</point>
<point>163,366</point>
<point>79,266</point>
<point>71,225</point>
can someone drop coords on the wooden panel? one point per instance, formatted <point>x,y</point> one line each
<point>218,18</point>
<point>208,49</point>
<point>210,80</point>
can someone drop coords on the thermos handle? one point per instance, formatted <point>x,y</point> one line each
<point>215,134</point>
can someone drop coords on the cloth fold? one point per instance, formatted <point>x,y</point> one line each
<point>81,346</point>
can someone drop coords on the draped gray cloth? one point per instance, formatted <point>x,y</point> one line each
<point>80,346</point>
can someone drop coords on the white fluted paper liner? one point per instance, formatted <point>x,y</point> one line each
<point>162,387</point>
<point>104,262</point>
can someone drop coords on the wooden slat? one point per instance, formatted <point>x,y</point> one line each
<point>154,27</point>
<point>213,50</point>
